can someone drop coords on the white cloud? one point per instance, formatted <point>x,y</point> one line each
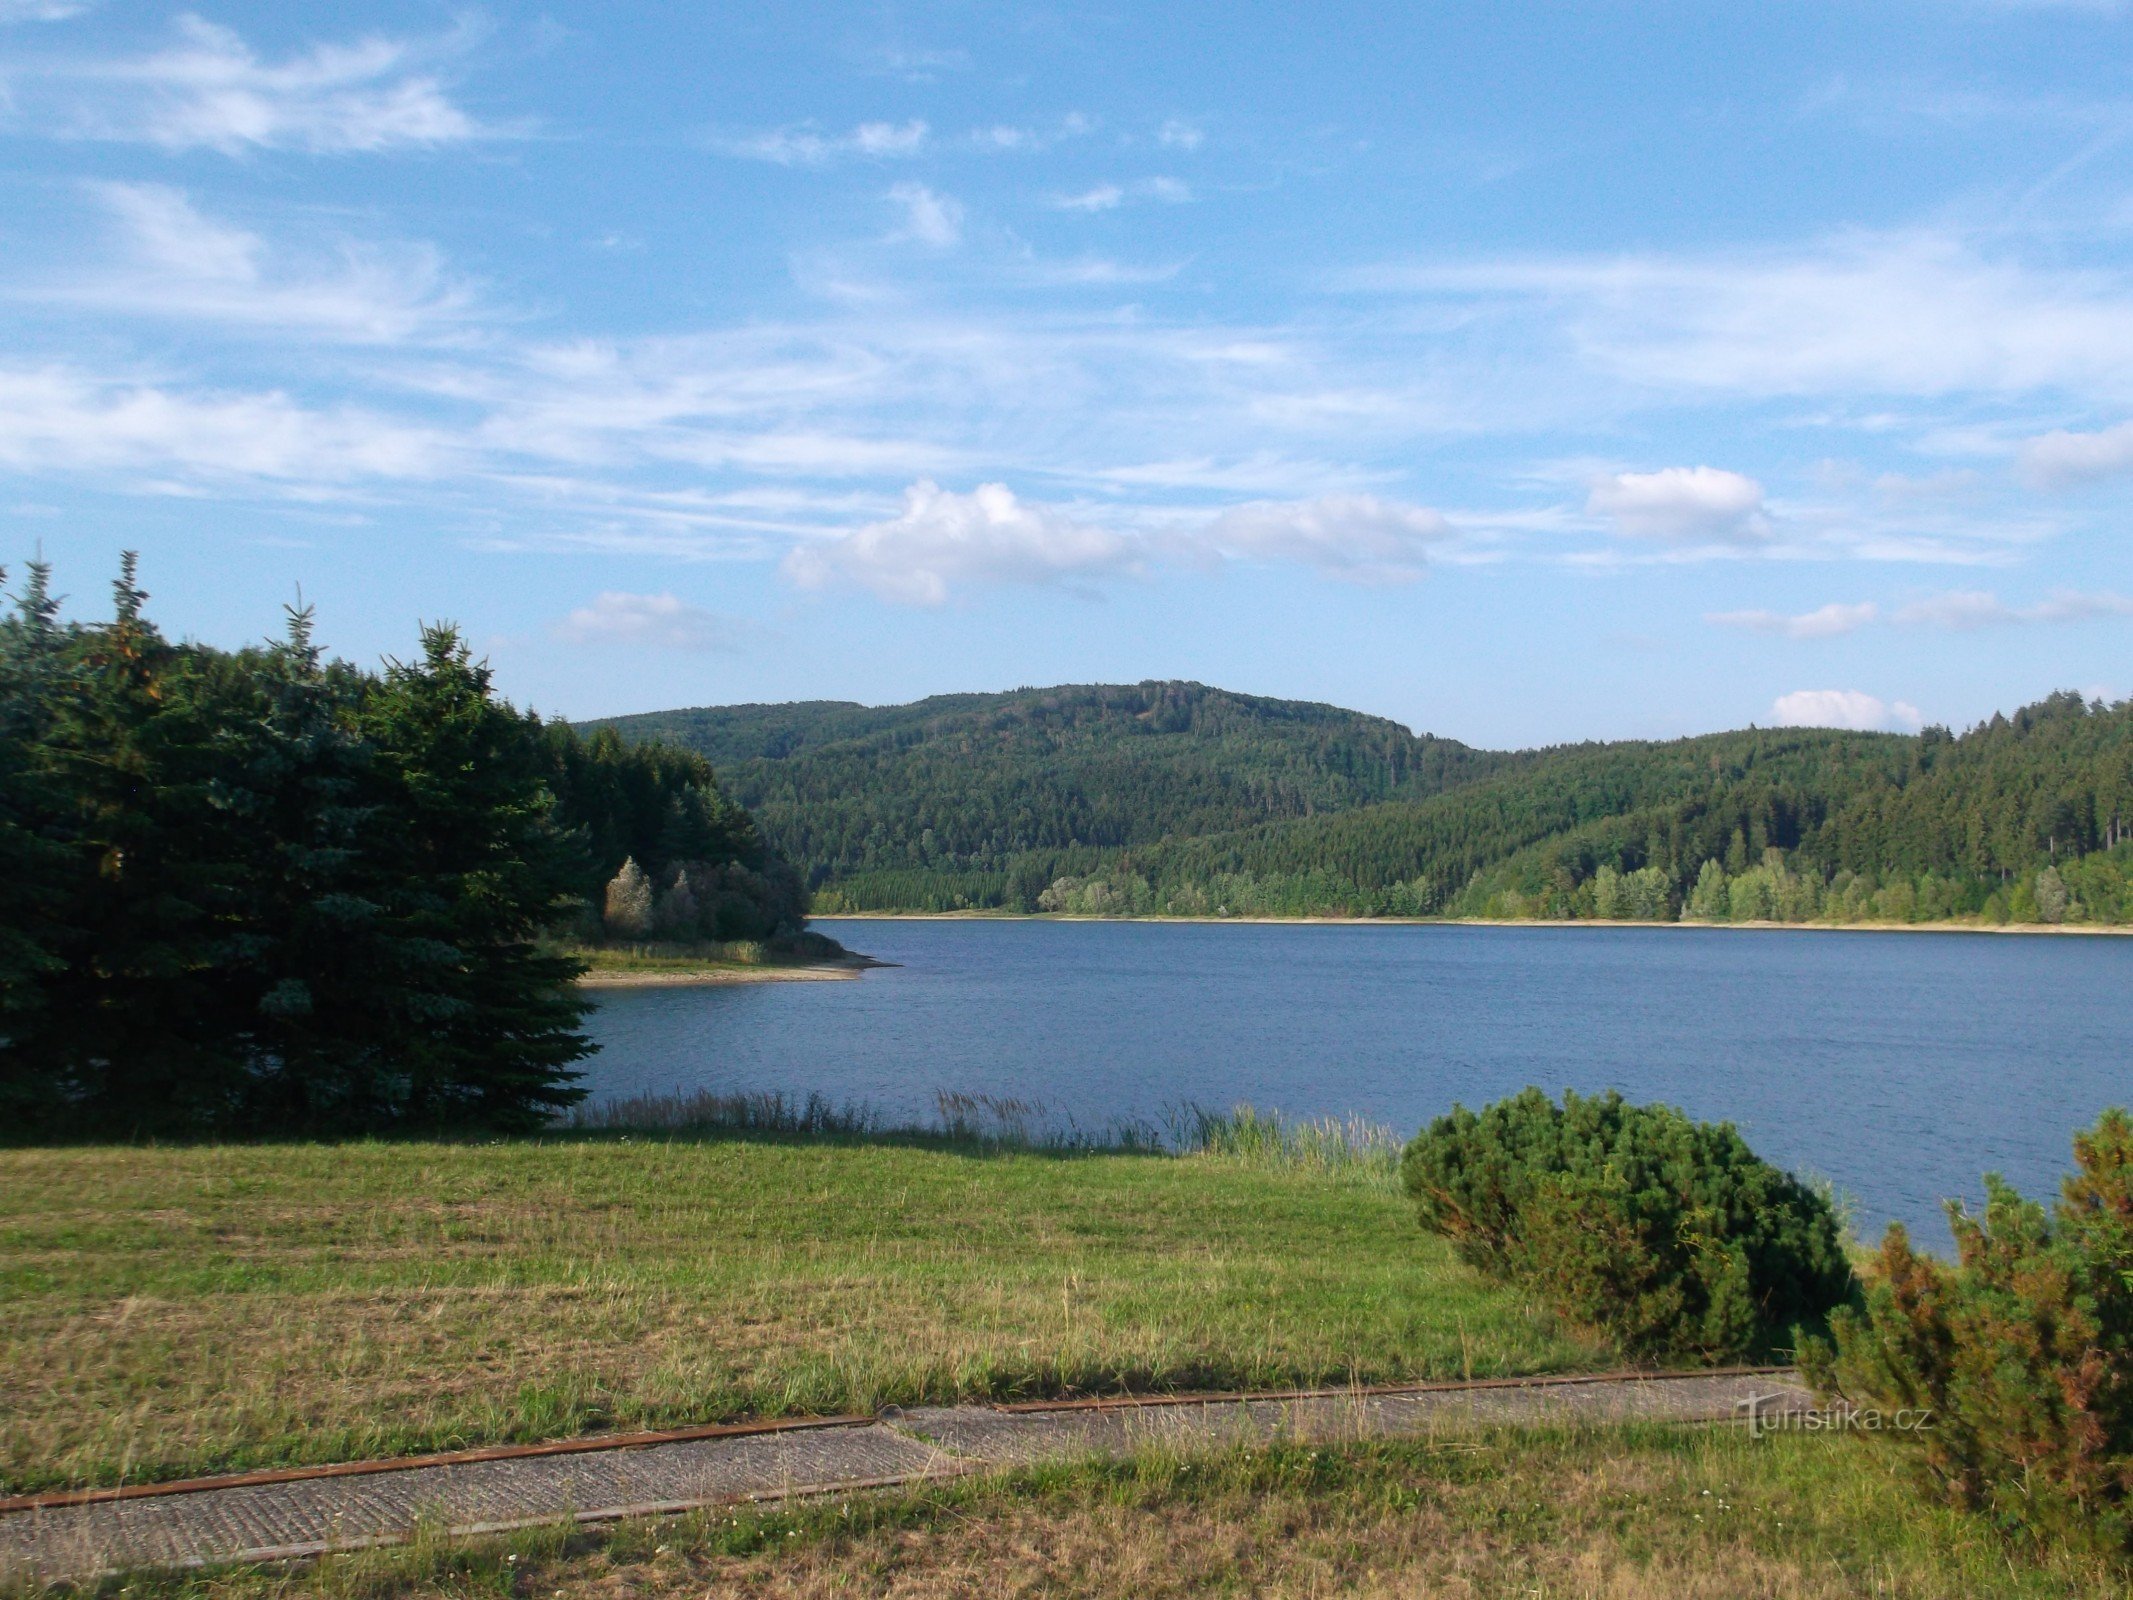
<point>923,66</point>
<point>2061,460</point>
<point>54,418</point>
<point>1917,313</point>
<point>1701,505</point>
<point>888,138</point>
<point>1824,622</point>
<point>211,91</point>
<point>183,264</point>
<point>1843,708</point>
<point>1110,196</point>
<point>1180,134</point>
<point>1353,536</point>
<point>1967,609</point>
<point>654,621</point>
<point>930,218</point>
<point>804,147</point>
<point>12,11</point>
<point>942,540</point>
<point>1104,197</point>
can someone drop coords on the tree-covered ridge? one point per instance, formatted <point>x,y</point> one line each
<point>257,890</point>
<point>2021,819</point>
<point>988,784</point>
<point>1161,799</point>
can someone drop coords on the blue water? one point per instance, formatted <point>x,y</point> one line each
<point>1901,1066</point>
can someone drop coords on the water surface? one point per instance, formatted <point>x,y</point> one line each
<point>1901,1066</point>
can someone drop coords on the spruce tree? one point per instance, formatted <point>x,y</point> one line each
<point>35,876</point>
<point>470,872</point>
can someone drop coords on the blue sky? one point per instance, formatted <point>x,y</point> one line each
<point>1522,372</point>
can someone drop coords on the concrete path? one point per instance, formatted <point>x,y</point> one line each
<point>280,1515</point>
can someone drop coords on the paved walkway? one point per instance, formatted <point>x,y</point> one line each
<point>271,1516</point>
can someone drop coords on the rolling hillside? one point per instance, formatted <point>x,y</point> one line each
<point>1000,783</point>
<point>1179,799</point>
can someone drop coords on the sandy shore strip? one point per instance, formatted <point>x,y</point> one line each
<point>659,978</point>
<point>2050,929</point>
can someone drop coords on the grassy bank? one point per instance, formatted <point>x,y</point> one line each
<point>172,1311</point>
<point>1629,1514</point>
<point>726,961</point>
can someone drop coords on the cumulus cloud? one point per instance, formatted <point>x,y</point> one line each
<point>1967,609</point>
<point>2062,460</point>
<point>1354,536</point>
<point>1824,622</point>
<point>653,621</point>
<point>942,540</point>
<point>1843,708</point>
<point>805,147</point>
<point>211,91</point>
<point>1180,134</point>
<point>930,218</point>
<point>1686,505</point>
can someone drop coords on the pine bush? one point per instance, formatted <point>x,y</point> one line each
<point>2022,1351</point>
<point>1670,1236</point>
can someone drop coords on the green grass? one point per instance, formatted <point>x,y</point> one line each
<point>1631,1513</point>
<point>165,1312</point>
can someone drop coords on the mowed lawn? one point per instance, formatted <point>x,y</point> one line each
<point>165,1312</point>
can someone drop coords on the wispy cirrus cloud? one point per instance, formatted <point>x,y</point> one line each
<point>1967,609</point>
<point>1959,610</point>
<point>1921,312</point>
<point>210,90</point>
<point>58,417</point>
<point>12,11</point>
<point>1110,196</point>
<point>650,621</point>
<point>807,146</point>
<point>1824,622</point>
<point>178,262</point>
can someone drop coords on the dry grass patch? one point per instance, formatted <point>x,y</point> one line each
<point>165,1312</point>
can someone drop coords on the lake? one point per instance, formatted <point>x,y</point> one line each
<point>1900,1066</point>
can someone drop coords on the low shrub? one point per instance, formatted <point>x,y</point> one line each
<point>2023,1351</point>
<point>1670,1236</point>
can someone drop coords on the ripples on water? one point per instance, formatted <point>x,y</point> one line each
<point>1901,1066</point>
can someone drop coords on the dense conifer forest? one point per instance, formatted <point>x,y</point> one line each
<point>262,890</point>
<point>1176,799</point>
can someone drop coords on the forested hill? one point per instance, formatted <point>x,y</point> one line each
<point>1019,783</point>
<point>1179,799</point>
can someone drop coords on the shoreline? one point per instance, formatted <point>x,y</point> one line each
<point>2090,929</point>
<point>682,976</point>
